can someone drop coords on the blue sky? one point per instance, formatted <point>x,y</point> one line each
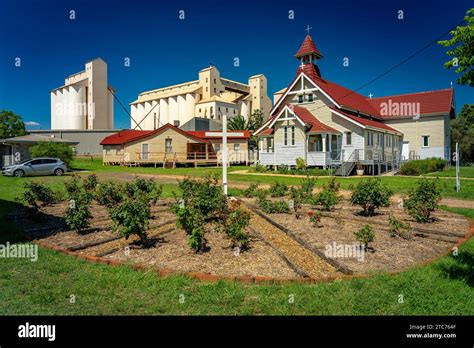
<point>165,50</point>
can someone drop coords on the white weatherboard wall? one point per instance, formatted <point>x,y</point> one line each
<point>288,154</point>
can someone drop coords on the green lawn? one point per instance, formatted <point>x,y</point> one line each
<point>464,172</point>
<point>399,184</point>
<point>95,165</point>
<point>444,287</point>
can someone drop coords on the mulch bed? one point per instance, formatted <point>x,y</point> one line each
<point>173,252</point>
<point>389,253</point>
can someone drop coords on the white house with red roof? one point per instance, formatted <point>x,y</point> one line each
<point>329,125</point>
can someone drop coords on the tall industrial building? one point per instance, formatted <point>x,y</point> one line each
<point>209,97</point>
<point>85,101</point>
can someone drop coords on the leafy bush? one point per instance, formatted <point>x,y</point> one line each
<point>141,186</point>
<point>53,149</point>
<point>365,235</point>
<point>371,194</point>
<point>202,202</point>
<point>423,199</point>
<point>315,218</point>
<point>109,193</point>
<point>90,182</point>
<point>73,185</point>
<point>37,195</point>
<point>300,164</point>
<point>278,189</point>
<point>235,224</point>
<point>132,217</point>
<point>397,227</point>
<point>78,213</point>
<point>250,191</point>
<point>273,207</point>
<point>259,168</point>
<point>328,197</point>
<point>307,186</point>
<point>418,167</point>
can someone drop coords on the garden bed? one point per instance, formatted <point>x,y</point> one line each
<point>388,253</point>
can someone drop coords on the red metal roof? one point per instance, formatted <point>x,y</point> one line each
<point>208,134</point>
<point>308,47</point>
<point>129,135</point>
<point>341,95</point>
<point>268,131</point>
<point>367,122</point>
<point>431,102</point>
<point>308,118</point>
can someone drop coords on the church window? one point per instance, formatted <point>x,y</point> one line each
<point>285,136</point>
<point>215,90</point>
<point>300,99</point>
<point>292,135</point>
<point>426,140</point>
<point>226,109</point>
<point>348,138</point>
<point>310,97</point>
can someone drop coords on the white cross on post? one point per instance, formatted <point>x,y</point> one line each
<point>308,28</point>
<point>225,155</point>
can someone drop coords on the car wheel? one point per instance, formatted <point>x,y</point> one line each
<point>19,173</point>
<point>58,172</point>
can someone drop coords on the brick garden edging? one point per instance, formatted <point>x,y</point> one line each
<point>163,272</point>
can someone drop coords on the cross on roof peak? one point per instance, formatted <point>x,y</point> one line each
<point>308,28</point>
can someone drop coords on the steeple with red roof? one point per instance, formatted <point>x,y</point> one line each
<point>308,55</point>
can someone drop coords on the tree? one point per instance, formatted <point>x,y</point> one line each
<point>237,123</point>
<point>11,125</point>
<point>462,131</point>
<point>52,149</point>
<point>462,41</point>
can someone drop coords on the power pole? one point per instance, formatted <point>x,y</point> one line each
<point>458,180</point>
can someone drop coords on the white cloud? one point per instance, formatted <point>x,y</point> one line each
<point>31,123</point>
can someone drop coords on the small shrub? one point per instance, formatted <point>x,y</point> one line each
<point>423,199</point>
<point>315,218</point>
<point>131,217</point>
<point>78,213</point>
<point>328,197</point>
<point>424,166</point>
<point>109,193</point>
<point>276,207</point>
<point>73,186</point>
<point>333,185</point>
<point>90,182</point>
<point>37,195</point>
<point>300,164</point>
<point>399,228</point>
<point>234,226</point>
<point>278,189</point>
<point>307,186</point>
<point>250,191</point>
<point>371,194</point>
<point>141,186</point>
<point>260,168</point>
<point>192,222</point>
<point>202,202</point>
<point>365,235</point>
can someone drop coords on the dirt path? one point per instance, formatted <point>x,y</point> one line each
<point>173,179</point>
<point>302,258</point>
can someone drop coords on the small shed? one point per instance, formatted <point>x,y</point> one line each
<point>17,149</point>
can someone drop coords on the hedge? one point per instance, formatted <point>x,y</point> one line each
<point>424,166</point>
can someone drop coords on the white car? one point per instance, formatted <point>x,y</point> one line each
<point>36,166</point>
